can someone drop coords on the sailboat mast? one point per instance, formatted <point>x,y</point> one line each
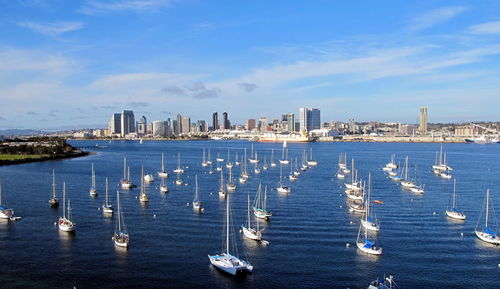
<point>454,192</point>
<point>125,168</point>
<point>178,160</point>
<point>128,173</point>
<point>441,156</point>
<point>196,188</point>
<point>353,172</point>
<point>221,181</point>
<point>107,191</point>
<point>369,195</point>
<point>163,164</point>
<point>53,184</point>
<point>227,225</point>
<point>64,200</point>
<point>93,176</point>
<point>487,206</point>
<point>264,202</point>
<point>142,180</point>
<point>406,168</point>
<point>248,213</point>
<point>69,210</point>
<point>203,155</point>
<point>119,211</point>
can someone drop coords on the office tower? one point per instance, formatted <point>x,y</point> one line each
<point>310,118</point>
<point>263,123</point>
<point>290,119</point>
<point>186,125</point>
<point>178,127</point>
<point>423,120</point>
<point>215,121</point>
<point>169,130</point>
<point>225,121</point>
<point>250,125</point>
<point>141,126</point>
<point>158,128</point>
<point>174,126</point>
<point>127,122</point>
<point>352,125</point>
<point>115,124</point>
<point>149,128</point>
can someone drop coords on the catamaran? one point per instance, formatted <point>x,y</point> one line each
<point>162,173</point>
<point>54,202</point>
<point>178,170</point>
<point>143,197</point>
<point>231,186</point>
<point>369,222</point>
<point>487,233</point>
<point>6,213</point>
<point>366,245</point>
<point>453,212</point>
<point>312,162</point>
<point>226,261</point>
<point>260,203</point>
<point>248,231</point>
<point>281,187</point>
<point>93,189</point>
<point>197,204</point>
<point>65,223</point>
<point>126,183</point>
<point>107,208</point>
<point>121,237</point>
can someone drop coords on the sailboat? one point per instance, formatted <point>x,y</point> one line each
<point>365,244</point>
<point>65,223</point>
<point>296,172</point>
<point>244,173</point>
<point>162,173</point>
<point>121,237</point>
<point>260,203</point>
<point>231,186</point>
<point>282,188</point>
<point>6,213</point>
<point>178,170</point>
<point>256,169</point>
<point>226,261</point>
<point>342,160</point>
<point>386,283</point>
<point>311,162</point>
<point>354,185</point>
<point>107,208</point>
<point>248,231</point>
<point>391,165</point>
<point>204,161</point>
<point>406,182</point>
<point>54,202</point>
<point>284,154</point>
<point>126,183</point>
<point>304,166</point>
<point>93,190</point>
<point>222,188</point>
<point>340,174</point>
<point>253,157</point>
<point>264,165</point>
<point>219,158</point>
<point>143,197</point>
<point>229,164</point>
<point>292,176</point>
<point>148,178</point>
<point>453,212</point>
<point>487,233</point>
<point>209,160</point>
<point>440,164</point>
<point>197,205</point>
<point>163,186</point>
<point>368,221</point>
<point>419,188</point>
<point>273,164</point>
<point>236,160</point>
<point>178,181</point>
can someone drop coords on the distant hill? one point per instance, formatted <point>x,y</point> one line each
<point>10,132</point>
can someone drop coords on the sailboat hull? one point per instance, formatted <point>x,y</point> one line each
<point>230,264</point>
<point>489,238</point>
<point>162,175</point>
<point>455,215</point>
<point>370,225</point>
<point>370,250</point>
<point>251,234</point>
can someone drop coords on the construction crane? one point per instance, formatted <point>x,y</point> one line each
<point>493,131</point>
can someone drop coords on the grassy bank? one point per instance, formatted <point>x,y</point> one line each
<point>7,157</point>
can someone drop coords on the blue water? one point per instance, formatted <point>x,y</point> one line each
<point>307,234</point>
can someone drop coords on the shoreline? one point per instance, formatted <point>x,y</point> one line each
<point>45,159</point>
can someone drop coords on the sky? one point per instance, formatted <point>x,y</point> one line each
<point>71,64</point>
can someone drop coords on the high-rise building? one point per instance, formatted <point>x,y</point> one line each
<point>141,126</point>
<point>178,128</point>
<point>225,121</point>
<point>250,125</point>
<point>127,122</point>
<point>423,120</point>
<point>115,124</point>
<point>263,123</point>
<point>310,118</point>
<point>158,128</point>
<point>186,125</point>
<point>290,119</point>
<point>215,121</point>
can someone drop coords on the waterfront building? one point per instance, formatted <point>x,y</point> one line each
<point>290,121</point>
<point>225,121</point>
<point>127,122</point>
<point>263,124</point>
<point>115,124</point>
<point>149,128</point>
<point>250,125</point>
<point>178,127</point>
<point>141,126</point>
<point>310,118</point>
<point>186,125</point>
<point>423,120</point>
<point>215,121</point>
<point>158,128</point>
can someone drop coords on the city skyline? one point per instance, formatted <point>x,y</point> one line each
<point>71,64</point>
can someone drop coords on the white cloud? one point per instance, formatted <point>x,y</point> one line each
<point>136,80</point>
<point>435,17</point>
<point>52,28</point>
<point>92,7</point>
<point>485,28</point>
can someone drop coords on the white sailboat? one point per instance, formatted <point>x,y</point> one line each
<point>197,204</point>
<point>54,202</point>
<point>93,189</point>
<point>253,157</point>
<point>226,261</point>
<point>312,162</point>
<point>204,161</point>
<point>143,197</point>
<point>264,165</point>
<point>236,159</point>
<point>296,172</point>
<point>487,233</point>
<point>248,231</point>
<point>406,183</point>
<point>342,160</point>
<point>65,223</point>
<point>148,178</point>
<point>340,174</point>
<point>453,212</point>
<point>365,244</point>
<point>121,237</point>
<point>126,183</point>
<point>6,213</point>
<point>284,155</point>
<point>292,176</point>
<point>440,164</point>
<point>391,165</point>
<point>163,186</point>
<point>281,187</point>
<point>369,222</point>
<point>178,170</point>
<point>229,164</point>
<point>222,187</point>
<point>178,181</point>
<point>209,160</point>
<point>273,164</point>
<point>162,173</point>
<point>219,159</point>
<point>260,203</point>
<point>419,188</point>
<point>256,168</point>
<point>107,208</point>
<point>231,186</point>
<point>304,166</point>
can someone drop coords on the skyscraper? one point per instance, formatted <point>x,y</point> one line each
<point>186,125</point>
<point>250,125</point>
<point>127,122</point>
<point>290,119</point>
<point>178,128</point>
<point>215,121</point>
<point>310,118</point>
<point>158,128</point>
<point>115,124</point>
<point>141,126</point>
<point>225,121</point>
<point>423,120</point>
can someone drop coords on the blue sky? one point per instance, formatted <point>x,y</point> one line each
<point>74,63</point>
